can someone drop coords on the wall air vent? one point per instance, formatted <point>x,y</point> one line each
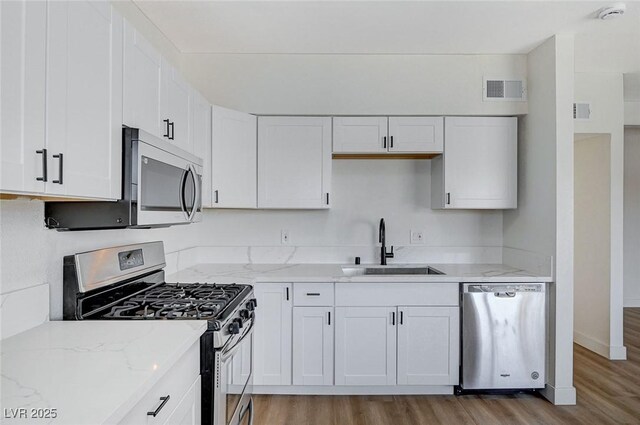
<point>581,111</point>
<point>504,89</point>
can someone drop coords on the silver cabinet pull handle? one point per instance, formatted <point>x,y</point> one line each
<point>157,411</point>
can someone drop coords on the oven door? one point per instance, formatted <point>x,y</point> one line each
<point>168,189</point>
<point>233,404</point>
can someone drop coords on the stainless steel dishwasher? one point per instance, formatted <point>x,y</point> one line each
<point>503,336</point>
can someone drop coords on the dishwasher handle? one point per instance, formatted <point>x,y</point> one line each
<point>507,294</point>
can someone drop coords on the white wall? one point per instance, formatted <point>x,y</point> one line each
<point>32,255</point>
<point>543,222</point>
<point>592,266</point>
<point>354,84</point>
<point>606,93</point>
<point>363,191</point>
<point>632,217</point>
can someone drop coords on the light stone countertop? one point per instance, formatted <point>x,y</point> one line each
<point>256,273</point>
<point>92,372</point>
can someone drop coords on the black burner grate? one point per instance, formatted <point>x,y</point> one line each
<point>177,301</point>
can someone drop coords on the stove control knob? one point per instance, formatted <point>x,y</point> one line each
<point>234,328</point>
<point>250,306</point>
<point>254,302</point>
<point>244,314</point>
<point>238,321</point>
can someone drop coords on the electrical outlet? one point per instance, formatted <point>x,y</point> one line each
<point>417,237</point>
<point>285,237</point>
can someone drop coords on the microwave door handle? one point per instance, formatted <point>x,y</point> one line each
<point>197,195</point>
<point>183,204</point>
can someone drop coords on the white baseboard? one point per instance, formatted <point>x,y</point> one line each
<point>632,302</point>
<point>563,396</point>
<point>607,351</point>
<point>618,353</point>
<point>353,390</point>
<point>591,343</point>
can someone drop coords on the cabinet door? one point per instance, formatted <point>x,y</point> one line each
<point>22,104</point>
<point>142,84</point>
<point>187,412</point>
<point>174,96</point>
<point>360,134</point>
<point>272,343</point>
<point>416,134</point>
<point>294,162</point>
<point>234,159</point>
<point>428,345</point>
<point>201,140</point>
<point>313,346</point>
<point>84,99</point>
<point>365,346</point>
<point>481,162</point>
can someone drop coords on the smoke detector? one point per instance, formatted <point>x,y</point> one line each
<point>612,11</point>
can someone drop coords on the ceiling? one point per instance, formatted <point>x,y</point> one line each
<point>383,27</point>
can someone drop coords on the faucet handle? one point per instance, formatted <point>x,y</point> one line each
<point>390,254</point>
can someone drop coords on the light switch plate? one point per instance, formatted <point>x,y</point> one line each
<point>417,237</point>
<point>284,237</point>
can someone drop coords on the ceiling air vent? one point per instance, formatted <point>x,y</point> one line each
<point>581,111</point>
<point>504,89</point>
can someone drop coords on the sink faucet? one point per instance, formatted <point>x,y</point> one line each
<point>383,249</point>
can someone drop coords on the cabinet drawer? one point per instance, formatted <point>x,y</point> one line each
<point>175,384</point>
<point>314,294</point>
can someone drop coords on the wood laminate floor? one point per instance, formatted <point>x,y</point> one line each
<point>608,393</point>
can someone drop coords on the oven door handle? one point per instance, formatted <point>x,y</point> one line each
<point>228,352</point>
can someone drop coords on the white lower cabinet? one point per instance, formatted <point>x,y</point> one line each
<point>187,412</point>
<point>372,334</point>
<point>272,343</point>
<point>428,348</point>
<point>313,345</point>
<point>365,346</point>
<point>175,399</point>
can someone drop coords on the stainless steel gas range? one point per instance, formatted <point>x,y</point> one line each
<point>127,283</point>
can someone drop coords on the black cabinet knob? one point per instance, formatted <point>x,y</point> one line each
<point>234,328</point>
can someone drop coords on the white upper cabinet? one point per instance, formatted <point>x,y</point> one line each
<point>428,349</point>
<point>84,99</point>
<point>360,134</point>
<point>294,162</point>
<point>369,358</point>
<point>23,27</point>
<point>142,84</point>
<point>200,133</point>
<point>379,135</point>
<point>174,99</point>
<point>234,159</point>
<point>416,134</point>
<point>479,168</point>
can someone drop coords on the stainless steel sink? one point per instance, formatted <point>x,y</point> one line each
<point>390,271</point>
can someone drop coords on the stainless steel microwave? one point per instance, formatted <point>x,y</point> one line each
<point>161,186</point>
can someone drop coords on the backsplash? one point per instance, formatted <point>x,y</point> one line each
<point>362,192</point>
<point>338,254</point>
<point>32,255</point>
